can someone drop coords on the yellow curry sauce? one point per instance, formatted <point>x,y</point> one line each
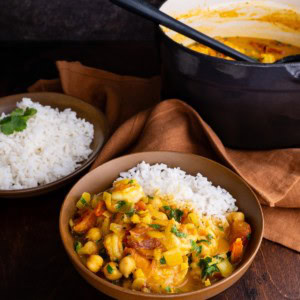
<point>150,244</point>
<point>263,50</point>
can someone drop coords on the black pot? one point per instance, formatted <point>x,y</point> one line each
<point>249,106</point>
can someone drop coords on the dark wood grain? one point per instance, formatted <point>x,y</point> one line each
<point>33,263</point>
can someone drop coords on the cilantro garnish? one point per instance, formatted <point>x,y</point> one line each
<point>162,261</point>
<point>249,236</point>
<point>109,269</point>
<point>150,197</point>
<point>168,289</point>
<point>120,204</point>
<point>205,241</point>
<point>221,228</point>
<point>16,121</point>
<point>166,207</point>
<point>177,232</point>
<point>82,200</point>
<point>155,226</point>
<point>131,181</point>
<point>176,214</point>
<point>196,248</point>
<point>77,246</point>
<point>207,269</point>
<point>131,212</point>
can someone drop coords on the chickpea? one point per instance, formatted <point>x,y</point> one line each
<point>94,234</point>
<point>139,274</point>
<point>138,284</point>
<point>94,263</point>
<point>127,265</point>
<point>89,248</point>
<point>111,271</point>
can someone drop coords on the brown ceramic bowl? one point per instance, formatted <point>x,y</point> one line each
<point>102,177</point>
<point>60,101</point>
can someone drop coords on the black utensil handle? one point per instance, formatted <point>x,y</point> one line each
<point>150,12</point>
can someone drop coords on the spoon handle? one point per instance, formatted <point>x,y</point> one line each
<point>150,12</point>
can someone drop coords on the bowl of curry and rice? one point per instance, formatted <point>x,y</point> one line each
<point>161,224</point>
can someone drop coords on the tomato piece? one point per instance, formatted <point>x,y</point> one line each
<point>237,250</point>
<point>100,209</point>
<point>141,205</point>
<point>85,222</point>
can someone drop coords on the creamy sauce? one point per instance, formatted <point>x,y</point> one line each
<point>263,50</point>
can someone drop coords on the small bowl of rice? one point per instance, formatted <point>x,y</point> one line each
<point>185,179</point>
<point>59,142</point>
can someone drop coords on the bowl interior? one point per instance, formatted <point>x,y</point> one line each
<point>102,177</point>
<point>60,101</point>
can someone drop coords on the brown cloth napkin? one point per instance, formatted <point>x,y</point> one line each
<point>139,122</point>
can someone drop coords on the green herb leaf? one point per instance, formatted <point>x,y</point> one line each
<point>16,121</point>
<point>83,201</point>
<point>109,269</point>
<point>77,246</point>
<point>120,204</point>
<point>162,261</point>
<point>150,197</point>
<point>205,241</point>
<point>221,228</point>
<point>131,181</point>
<point>196,247</point>
<point>155,226</point>
<point>177,232</point>
<point>131,212</point>
<point>168,289</point>
<point>249,236</point>
<point>176,214</point>
<point>166,207</point>
<point>207,269</point>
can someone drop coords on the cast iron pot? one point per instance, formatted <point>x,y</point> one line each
<point>250,106</point>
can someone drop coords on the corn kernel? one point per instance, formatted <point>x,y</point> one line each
<point>173,257</point>
<point>159,215</point>
<point>135,219</point>
<point>86,197</point>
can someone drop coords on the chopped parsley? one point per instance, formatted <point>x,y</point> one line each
<point>155,226</point>
<point>131,181</point>
<point>120,204</point>
<point>162,261</point>
<point>168,289</point>
<point>17,120</point>
<point>218,257</point>
<point>221,228</point>
<point>166,207</point>
<point>196,247</point>
<point>177,232</point>
<point>176,214</point>
<point>150,197</point>
<point>109,269</point>
<point>131,212</point>
<point>77,246</point>
<point>207,269</point>
<point>205,241</point>
<point>249,236</point>
<point>83,202</point>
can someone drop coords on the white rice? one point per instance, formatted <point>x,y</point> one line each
<point>52,146</point>
<point>192,191</point>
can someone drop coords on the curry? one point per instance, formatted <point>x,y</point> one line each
<point>146,243</point>
<point>263,50</point>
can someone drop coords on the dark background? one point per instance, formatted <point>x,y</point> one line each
<point>70,20</point>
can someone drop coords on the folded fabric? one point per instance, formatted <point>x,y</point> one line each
<point>140,122</point>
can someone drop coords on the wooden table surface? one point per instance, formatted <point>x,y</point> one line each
<point>33,263</point>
